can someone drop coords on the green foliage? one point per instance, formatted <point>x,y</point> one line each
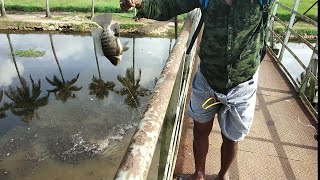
<point>32,53</point>
<point>130,26</point>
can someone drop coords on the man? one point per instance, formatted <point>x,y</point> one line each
<point>226,79</point>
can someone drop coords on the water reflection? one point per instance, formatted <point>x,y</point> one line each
<point>98,86</point>
<point>63,89</point>
<point>91,133</point>
<point>131,88</point>
<point>26,100</point>
<point>4,108</point>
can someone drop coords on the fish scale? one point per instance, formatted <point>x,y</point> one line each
<point>107,39</point>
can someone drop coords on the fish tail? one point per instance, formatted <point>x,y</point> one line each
<point>104,20</point>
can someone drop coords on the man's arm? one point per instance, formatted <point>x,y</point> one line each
<point>160,9</point>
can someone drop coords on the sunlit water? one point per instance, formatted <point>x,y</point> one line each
<point>72,133</point>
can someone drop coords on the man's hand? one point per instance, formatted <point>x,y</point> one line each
<point>127,4</point>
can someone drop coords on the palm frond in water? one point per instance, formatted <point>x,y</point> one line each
<point>131,88</point>
<point>63,90</point>
<point>26,99</point>
<point>100,88</point>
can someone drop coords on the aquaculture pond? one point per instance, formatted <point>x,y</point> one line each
<point>66,112</point>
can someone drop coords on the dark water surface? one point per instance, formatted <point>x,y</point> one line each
<point>67,115</point>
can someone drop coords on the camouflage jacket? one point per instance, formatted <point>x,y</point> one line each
<point>229,50</point>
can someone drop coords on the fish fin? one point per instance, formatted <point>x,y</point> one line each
<point>125,46</point>
<point>115,28</point>
<point>103,20</point>
<point>96,35</point>
<point>125,43</point>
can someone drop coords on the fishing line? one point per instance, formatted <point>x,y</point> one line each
<point>307,125</point>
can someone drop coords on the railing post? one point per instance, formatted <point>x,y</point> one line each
<point>310,91</point>
<point>271,25</point>
<point>288,31</point>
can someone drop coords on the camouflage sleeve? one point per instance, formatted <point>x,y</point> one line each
<point>163,10</point>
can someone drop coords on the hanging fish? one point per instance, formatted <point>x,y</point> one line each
<point>107,38</point>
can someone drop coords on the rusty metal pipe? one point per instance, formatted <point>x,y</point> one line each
<point>137,160</point>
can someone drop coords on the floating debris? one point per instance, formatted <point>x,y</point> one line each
<point>30,53</point>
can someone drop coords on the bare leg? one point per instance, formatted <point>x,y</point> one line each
<point>228,153</point>
<point>201,133</point>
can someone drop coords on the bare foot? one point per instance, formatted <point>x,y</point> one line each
<point>221,177</point>
<point>192,177</point>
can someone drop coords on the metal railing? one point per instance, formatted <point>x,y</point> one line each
<point>164,113</point>
<point>308,88</point>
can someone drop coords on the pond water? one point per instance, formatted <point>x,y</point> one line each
<point>302,51</point>
<point>66,115</point>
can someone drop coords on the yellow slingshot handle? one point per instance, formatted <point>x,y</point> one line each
<point>210,105</point>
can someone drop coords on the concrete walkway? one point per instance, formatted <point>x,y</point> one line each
<point>281,144</point>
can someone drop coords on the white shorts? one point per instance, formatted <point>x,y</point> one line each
<point>235,110</point>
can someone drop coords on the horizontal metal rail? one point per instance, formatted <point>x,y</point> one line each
<point>309,83</point>
<point>137,160</point>
<point>295,33</point>
<point>295,57</point>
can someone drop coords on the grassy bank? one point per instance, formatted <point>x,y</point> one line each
<point>113,6</point>
<point>301,28</point>
<point>63,5</point>
<point>303,7</point>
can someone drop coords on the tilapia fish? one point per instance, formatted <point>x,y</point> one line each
<point>106,38</point>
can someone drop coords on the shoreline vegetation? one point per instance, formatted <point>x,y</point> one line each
<point>75,16</point>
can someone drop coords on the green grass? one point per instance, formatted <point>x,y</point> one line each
<point>31,53</point>
<point>113,6</point>
<point>303,7</point>
<point>300,27</point>
<point>63,5</point>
